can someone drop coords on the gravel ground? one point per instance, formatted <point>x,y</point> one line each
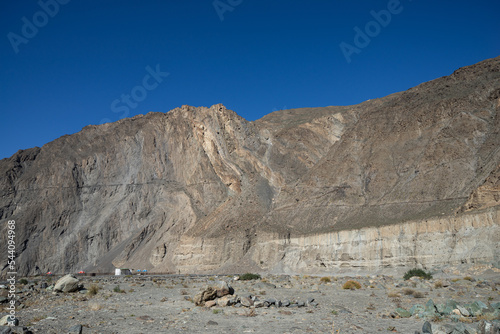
<point>162,304</point>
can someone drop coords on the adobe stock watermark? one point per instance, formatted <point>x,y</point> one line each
<point>40,19</point>
<point>11,273</point>
<point>372,29</point>
<point>150,82</point>
<point>222,6</point>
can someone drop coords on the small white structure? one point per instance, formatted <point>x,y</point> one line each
<point>122,271</point>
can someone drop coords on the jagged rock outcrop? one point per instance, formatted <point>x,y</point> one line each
<point>202,189</point>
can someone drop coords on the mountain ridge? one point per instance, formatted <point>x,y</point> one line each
<point>142,192</point>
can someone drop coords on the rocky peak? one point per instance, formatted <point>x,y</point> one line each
<point>200,188</point>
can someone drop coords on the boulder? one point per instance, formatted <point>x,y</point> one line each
<point>486,327</point>
<point>227,300</point>
<point>430,307</point>
<point>417,309</point>
<point>5,330</point>
<point>477,308</point>
<point>5,321</point>
<point>463,311</point>
<point>403,313</point>
<point>76,329</point>
<point>271,301</point>
<point>245,301</point>
<point>210,303</point>
<point>427,328</point>
<point>208,294</point>
<point>259,303</point>
<point>68,283</point>
<point>224,289</point>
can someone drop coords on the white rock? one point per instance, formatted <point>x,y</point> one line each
<point>68,283</point>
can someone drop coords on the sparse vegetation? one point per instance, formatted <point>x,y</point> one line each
<point>468,278</point>
<point>249,276</point>
<point>418,294</point>
<point>216,311</point>
<point>487,317</point>
<point>393,295</point>
<point>325,279</point>
<point>465,320</point>
<point>251,313</point>
<point>397,302</point>
<point>417,273</point>
<point>408,291</point>
<point>438,284</point>
<point>93,290</point>
<point>95,307</point>
<point>23,281</point>
<point>118,290</point>
<point>38,318</point>
<point>351,285</point>
<point>334,312</point>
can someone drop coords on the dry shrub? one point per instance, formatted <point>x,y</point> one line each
<point>93,290</point>
<point>408,291</point>
<point>397,301</point>
<point>351,285</point>
<point>393,295</point>
<point>418,294</point>
<point>251,313</point>
<point>438,284</point>
<point>95,306</point>
<point>325,279</point>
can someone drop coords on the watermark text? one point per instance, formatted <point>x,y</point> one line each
<point>12,272</point>
<point>372,29</point>
<point>222,6</point>
<point>40,19</point>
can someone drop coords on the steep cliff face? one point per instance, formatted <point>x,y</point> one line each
<point>202,189</point>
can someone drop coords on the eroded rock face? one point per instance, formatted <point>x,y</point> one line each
<point>199,189</point>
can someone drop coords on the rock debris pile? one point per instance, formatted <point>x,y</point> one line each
<point>223,295</point>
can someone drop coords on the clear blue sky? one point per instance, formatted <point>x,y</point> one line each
<point>254,56</point>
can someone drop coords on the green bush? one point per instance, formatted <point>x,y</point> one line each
<point>23,281</point>
<point>118,290</point>
<point>418,273</point>
<point>249,276</point>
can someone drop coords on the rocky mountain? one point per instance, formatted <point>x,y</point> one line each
<point>204,190</point>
